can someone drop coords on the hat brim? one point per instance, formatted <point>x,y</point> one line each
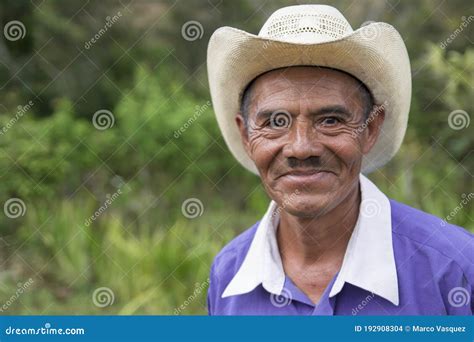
<point>375,54</point>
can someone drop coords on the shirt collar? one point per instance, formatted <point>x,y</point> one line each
<point>368,263</point>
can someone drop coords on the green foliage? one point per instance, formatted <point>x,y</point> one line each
<point>152,269</point>
<point>443,85</point>
<point>142,248</point>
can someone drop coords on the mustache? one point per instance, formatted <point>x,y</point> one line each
<point>308,163</point>
<point>292,164</point>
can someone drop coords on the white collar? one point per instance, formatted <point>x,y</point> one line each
<point>369,261</point>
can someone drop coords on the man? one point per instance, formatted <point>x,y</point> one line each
<point>310,105</point>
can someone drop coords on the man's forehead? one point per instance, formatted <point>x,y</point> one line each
<point>309,84</point>
<point>302,76</point>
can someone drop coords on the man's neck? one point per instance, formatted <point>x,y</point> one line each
<point>320,239</point>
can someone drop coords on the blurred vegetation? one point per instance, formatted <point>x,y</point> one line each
<point>153,81</point>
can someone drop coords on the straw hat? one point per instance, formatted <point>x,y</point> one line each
<point>316,35</point>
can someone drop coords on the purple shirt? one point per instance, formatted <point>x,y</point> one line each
<point>434,276</point>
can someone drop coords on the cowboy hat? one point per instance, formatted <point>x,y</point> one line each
<point>312,35</point>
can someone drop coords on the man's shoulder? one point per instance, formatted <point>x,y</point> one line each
<point>432,234</point>
<point>233,253</point>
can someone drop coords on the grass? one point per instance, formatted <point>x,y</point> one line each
<point>150,268</point>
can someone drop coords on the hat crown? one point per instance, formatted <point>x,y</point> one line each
<point>306,24</point>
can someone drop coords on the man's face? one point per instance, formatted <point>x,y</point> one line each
<point>304,136</point>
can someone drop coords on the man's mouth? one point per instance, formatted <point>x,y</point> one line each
<point>304,172</point>
<point>307,176</point>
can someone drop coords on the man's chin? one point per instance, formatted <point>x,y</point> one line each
<point>308,206</point>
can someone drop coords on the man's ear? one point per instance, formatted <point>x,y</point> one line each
<point>243,130</point>
<point>374,126</point>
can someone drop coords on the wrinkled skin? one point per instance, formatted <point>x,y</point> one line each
<point>308,119</point>
<point>304,135</point>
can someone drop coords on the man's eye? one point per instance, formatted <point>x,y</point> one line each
<point>330,121</point>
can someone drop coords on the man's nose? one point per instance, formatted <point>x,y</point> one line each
<point>303,141</point>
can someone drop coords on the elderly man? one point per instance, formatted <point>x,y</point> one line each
<point>310,105</point>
